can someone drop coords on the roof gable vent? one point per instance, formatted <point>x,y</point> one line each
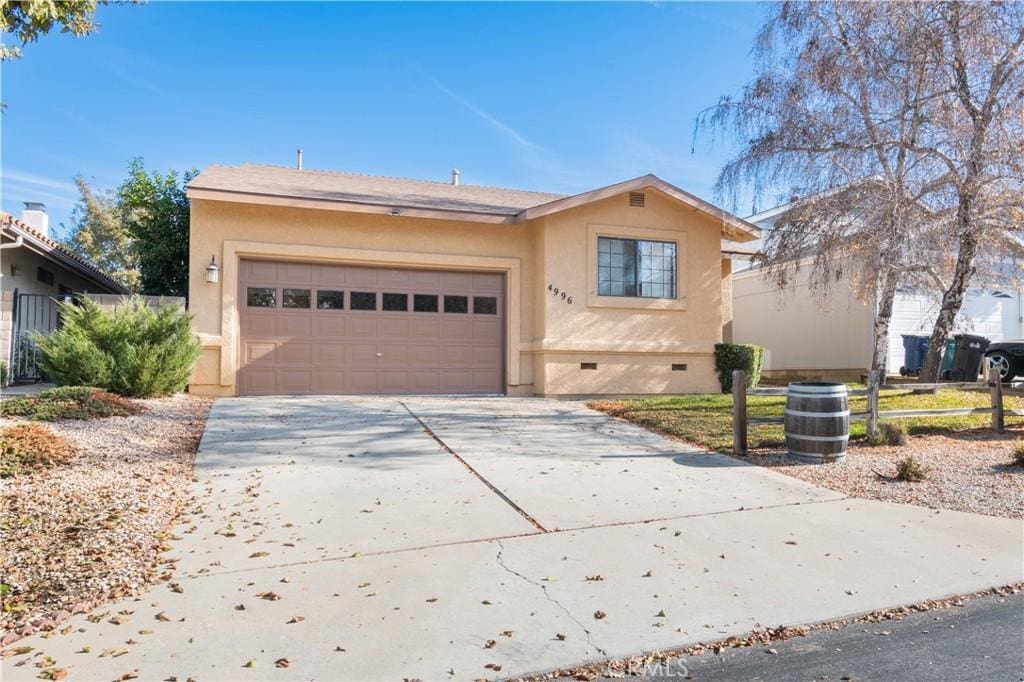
<point>636,199</point>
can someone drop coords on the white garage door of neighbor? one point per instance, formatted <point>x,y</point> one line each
<point>992,314</point>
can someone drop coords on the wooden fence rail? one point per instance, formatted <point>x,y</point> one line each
<point>740,420</point>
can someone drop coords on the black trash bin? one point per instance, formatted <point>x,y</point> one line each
<point>915,348</point>
<point>967,361</point>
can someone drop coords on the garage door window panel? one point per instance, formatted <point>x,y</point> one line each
<point>456,304</point>
<point>363,300</point>
<point>424,303</point>
<point>330,300</point>
<point>396,302</point>
<point>295,298</point>
<point>485,305</point>
<point>261,297</point>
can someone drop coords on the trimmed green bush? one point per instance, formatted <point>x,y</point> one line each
<point>133,350</point>
<point>3,373</point>
<point>745,356</point>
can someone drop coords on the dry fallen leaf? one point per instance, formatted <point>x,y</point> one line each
<point>239,607</point>
<point>506,633</point>
<point>269,596</point>
<point>594,578</point>
<point>249,664</point>
<point>163,617</point>
<point>282,663</point>
<point>257,555</point>
<point>560,637</point>
<point>296,619</point>
<point>493,666</point>
<point>432,600</point>
<point>490,644</point>
<point>598,615</point>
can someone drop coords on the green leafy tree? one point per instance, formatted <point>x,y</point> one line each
<point>155,212</point>
<point>30,19</point>
<point>99,235</point>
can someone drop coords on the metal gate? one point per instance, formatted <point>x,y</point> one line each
<point>32,313</point>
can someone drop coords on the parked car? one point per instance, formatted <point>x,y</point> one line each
<point>1007,358</point>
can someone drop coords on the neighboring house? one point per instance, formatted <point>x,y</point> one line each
<point>343,283</point>
<point>806,335</point>
<point>36,271</point>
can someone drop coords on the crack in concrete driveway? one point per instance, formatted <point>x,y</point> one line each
<point>544,589</point>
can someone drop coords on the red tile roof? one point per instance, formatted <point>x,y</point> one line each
<point>84,267</point>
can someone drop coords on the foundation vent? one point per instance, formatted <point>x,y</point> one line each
<point>636,199</point>
<point>588,365</point>
<point>678,366</point>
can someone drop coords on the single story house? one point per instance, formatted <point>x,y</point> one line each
<point>313,282</point>
<point>36,271</point>
<point>808,336</point>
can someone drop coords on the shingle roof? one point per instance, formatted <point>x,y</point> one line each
<point>277,185</point>
<point>254,178</point>
<point>83,266</point>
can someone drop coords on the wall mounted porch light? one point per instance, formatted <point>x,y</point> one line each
<point>212,271</point>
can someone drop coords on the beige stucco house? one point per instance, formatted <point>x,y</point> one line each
<point>343,283</point>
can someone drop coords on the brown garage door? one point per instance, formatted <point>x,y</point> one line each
<point>318,328</point>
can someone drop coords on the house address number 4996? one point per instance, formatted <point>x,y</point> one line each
<point>555,291</point>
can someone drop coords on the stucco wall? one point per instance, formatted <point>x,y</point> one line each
<point>635,342</point>
<point>800,330</point>
<point>304,234</point>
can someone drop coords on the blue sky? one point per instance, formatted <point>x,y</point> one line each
<point>559,98</point>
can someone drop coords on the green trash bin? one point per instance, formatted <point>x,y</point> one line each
<point>947,358</point>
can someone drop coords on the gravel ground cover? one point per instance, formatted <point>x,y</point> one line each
<point>75,536</point>
<point>970,472</point>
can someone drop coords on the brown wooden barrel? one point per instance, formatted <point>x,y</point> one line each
<point>817,421</point>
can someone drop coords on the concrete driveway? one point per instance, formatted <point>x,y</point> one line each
<point>441,538</point>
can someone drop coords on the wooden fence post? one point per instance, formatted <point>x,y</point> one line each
<point>739,412</point>
<point>873,403</point>
<point>998,416</point>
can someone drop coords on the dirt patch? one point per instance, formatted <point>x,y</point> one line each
<point>95,530</point>
<point>969,472</point>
